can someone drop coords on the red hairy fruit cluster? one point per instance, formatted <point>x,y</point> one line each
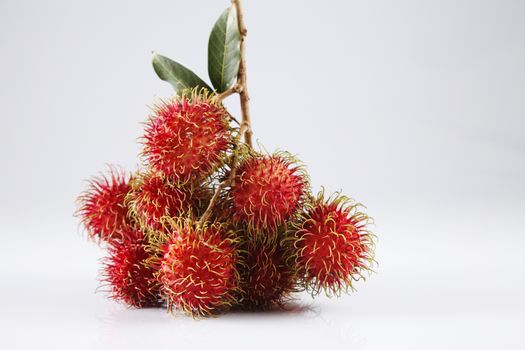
<point>267,191</point>
<point>207,223</point>
<point>153,197</point>
<point>267,280</point>
<point>102,210</point>
<point>332,245</point>
<point>129,278</point>
<point>187,137</point>
<point>198,270</point>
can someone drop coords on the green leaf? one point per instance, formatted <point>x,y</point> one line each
<point>224,50</point>
<point>176,74</point>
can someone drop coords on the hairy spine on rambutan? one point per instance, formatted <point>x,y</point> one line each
<point>267,280</point>
<point>197,267</point>
<point>267,190</point>
<point>127,275</point>
<point>154,196</point>
<point>102,207</point>
<point>331,245</point>
<point>188,137</point>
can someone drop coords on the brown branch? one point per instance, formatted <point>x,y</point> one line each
<point>213,200</point>
<point>235,88</point>
<point>241,77</point>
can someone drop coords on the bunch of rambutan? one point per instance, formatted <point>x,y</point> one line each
<point>208,223</point>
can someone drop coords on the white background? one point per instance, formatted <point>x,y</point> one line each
<point>415,108</point>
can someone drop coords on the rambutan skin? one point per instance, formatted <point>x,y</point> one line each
<point>127,275</point>
<point>267,191</point>
<point>267,280</point>
<point>331,245</point>
<point>198,270</point>
<point>187,137</point>
<point>154,196</point>
<point>102,207</point>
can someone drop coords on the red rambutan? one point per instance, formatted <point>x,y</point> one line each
<point>129,278</point>
<point>332,245</point>
<point>154,197</point>
<point>102,208</point>
<point>267,190</point>
<point>198,270</point>
<point>188,137</point>
<point>267,280</point>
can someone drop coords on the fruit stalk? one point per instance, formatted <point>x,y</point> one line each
<point>241,86</point>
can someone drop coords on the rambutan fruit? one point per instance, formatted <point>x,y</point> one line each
<point>188,137</point>
<point>267,190</point>
<point>198,271</point>
<point>266,279</point>
<point>331,245</point>
<point>127,275</point>
<point>154,196</point>
<point>102,207</point>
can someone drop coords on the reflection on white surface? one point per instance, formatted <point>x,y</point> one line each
<point>433,290</point>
